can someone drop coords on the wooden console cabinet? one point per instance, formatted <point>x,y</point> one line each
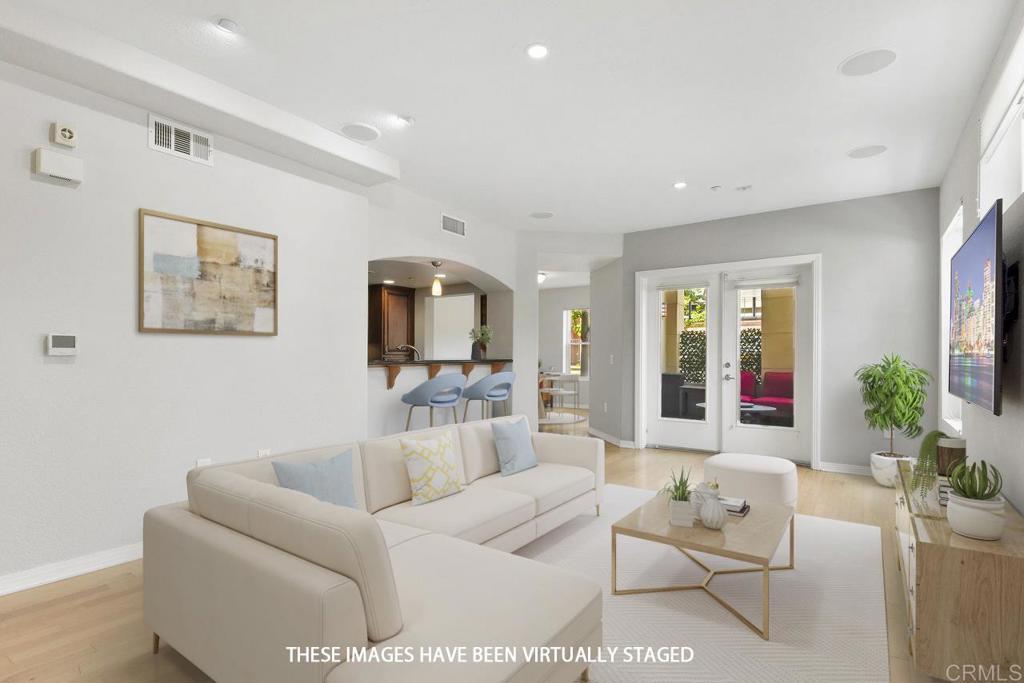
<point>965,598</point>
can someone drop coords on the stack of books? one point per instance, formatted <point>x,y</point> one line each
<point>737,507</point>
<point>944,489</point>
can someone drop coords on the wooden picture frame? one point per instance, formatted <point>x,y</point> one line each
<point>202,277</point>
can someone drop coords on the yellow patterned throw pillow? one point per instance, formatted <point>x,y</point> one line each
<point>433,468</point>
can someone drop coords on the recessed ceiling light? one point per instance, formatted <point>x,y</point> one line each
<point>542,215</point>
<point>679,185</point>
<point>868,62</point>
<point>743,188</point>
<point>362,132</point>
<point>537,51</point>
<point>866,151</point>
<point>716,188</point>
<point>388,282</point>
<point>228,26</point>
<point>541,277</point>
<point>399,122</point>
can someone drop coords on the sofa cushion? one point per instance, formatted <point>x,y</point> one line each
<point>262,469</point>
<point>385,476</point>
<point>475,515</point>
<point>433,467</point>
<point>515,449</point>
<point>449,589</point>
<point>778,383</point>
<point>479,455</point>
<point>347,541</point>
<point>548,484</point>
<point>327,480</point>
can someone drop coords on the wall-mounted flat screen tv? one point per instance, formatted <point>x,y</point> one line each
<point>976,314</point>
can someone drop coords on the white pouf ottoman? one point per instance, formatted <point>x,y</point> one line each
<point>761,479</point>
<point>758,478</point>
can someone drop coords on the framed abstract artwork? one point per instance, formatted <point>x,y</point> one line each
<point>198,277</point>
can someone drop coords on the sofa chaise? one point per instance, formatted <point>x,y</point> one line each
<point>246,569</point>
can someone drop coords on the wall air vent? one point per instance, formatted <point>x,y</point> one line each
<point>453,225</point>
<point>180,140</point>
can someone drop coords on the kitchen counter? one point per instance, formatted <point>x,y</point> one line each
<point>393,368</point>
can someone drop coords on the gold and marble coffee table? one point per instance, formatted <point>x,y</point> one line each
<point>751,539</point>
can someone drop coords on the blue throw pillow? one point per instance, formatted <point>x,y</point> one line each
<point>327,480</point>
<point>515,447</point>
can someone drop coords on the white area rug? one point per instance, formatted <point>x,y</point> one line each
<point>827,615</point>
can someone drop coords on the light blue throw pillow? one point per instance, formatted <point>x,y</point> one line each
<point>515,447</point>
<point>327,480</point>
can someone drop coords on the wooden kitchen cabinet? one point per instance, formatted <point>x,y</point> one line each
<point>391,322</point>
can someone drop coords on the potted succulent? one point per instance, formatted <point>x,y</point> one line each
<point>680,506</point>
<point>481,337</point>
<point>976,509</point>
<point>894,391</point>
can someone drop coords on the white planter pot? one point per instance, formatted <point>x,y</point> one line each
<point>981,519</point>
<point>680,513</point>
<point>713,513</point>
<point>885,468</point>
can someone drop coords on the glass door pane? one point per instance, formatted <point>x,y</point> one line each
<point>767,355</point>
<point>684,351</point>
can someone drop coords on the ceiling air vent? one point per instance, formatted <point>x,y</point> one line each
<point>180,140</point>
<point>453,225</point>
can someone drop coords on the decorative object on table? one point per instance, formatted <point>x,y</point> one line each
<point>481,337</point>
<point>976,508</point>
<point>704,491</point>
<point>925,480</point>
<point>712,512</point>
<point>894,392</point>
<point>737,507</point>
<point>680,507</point>
<point>950,451</point>
<point>199,277</point>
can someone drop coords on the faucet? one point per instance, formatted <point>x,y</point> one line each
<point>409,347</point>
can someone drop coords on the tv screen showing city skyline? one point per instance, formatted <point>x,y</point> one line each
<point>972,314</point>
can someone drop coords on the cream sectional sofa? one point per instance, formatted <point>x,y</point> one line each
<point>246,568</point>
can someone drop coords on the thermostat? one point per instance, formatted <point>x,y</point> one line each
<point>61,344</point>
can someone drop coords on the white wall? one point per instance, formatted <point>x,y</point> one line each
<point>88,444</point>
<point>880,274</point>
<point>998,440</point>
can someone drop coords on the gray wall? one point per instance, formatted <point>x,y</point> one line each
<point>998,440</point>
<point>880,274</point>
<point>606,379</point>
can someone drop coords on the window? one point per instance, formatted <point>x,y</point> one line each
<point>949,405</point>
<point>576,336</point>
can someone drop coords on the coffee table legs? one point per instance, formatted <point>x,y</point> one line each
<point>765,570</point>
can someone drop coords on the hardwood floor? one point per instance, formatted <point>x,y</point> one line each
<point>89,629</point>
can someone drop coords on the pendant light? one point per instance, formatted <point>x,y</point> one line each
<point>435,288</point>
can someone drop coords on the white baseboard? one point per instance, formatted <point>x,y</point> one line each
<point>48,573</point>
<point>843,468</point>
<point>609,438</point>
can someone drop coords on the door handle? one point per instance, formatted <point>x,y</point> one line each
<point>728,377</point>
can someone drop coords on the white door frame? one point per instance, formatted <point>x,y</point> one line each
<point>642,285</point>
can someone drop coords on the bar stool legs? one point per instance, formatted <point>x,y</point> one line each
<point>408,420</point>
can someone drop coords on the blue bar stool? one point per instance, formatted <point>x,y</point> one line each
<point>490,389</point>
<point>443,391</point>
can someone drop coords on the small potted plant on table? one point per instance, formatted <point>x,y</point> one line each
<point>481,337</point>
<point>680,504</point>
<point>894,392</point>
<point>976,508</point>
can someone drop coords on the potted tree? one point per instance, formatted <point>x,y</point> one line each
<point>680,504</point>
<point>976,508</point>
<point>481,337</point>
<point>894,391</point>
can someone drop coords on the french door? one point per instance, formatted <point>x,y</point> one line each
<point>726,358</point>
